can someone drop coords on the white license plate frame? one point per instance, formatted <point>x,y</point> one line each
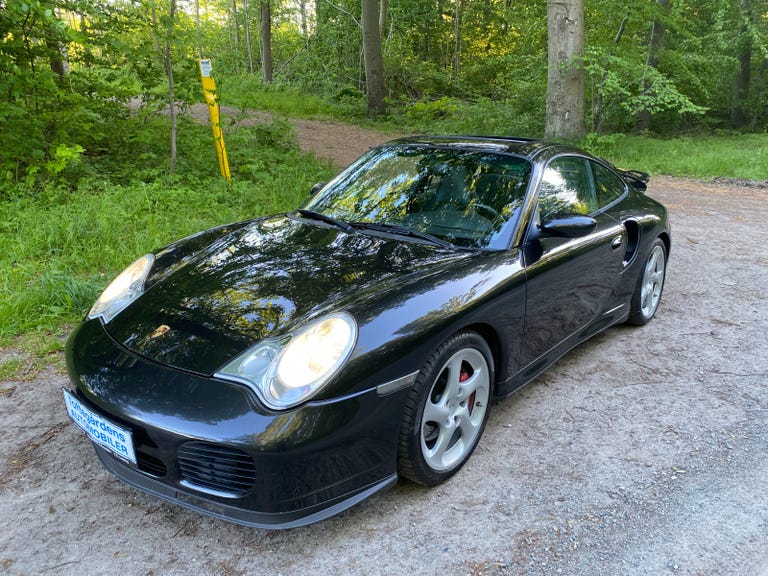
<point>110,436</point>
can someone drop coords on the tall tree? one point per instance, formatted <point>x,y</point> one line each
<point>266,40</point>
<point>198,35</point>
<point>457,40</point>
<point>565,73</point>
<point>374,60</point>
<point>57,49</point>
<point>303,25</point>
<point>248,47</point>
<point>743,79</point>
<point>383,19</point>
<point>169,74</point>
<point>235,38</point>
<point>235,25</point>
<point>655,46</point>
<point>597,112</point>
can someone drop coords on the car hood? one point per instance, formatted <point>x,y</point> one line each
<point>261,281</point>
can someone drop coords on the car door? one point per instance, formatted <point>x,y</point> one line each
<point>570,272</point>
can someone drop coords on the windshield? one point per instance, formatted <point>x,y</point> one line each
<point>468,198</point>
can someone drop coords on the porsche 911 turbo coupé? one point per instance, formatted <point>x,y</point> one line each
<point>277,371</point>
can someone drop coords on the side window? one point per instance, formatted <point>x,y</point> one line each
<point>608,186</point>
<point>566,188</point>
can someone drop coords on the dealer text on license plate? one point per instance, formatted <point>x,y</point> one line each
<point>114,438</point>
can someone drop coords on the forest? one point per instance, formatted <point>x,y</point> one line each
<point>69,67</point>
<point>98,161</point>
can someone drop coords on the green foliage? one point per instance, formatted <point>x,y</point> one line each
<point>250,91</point>
<point>627,88</point>
<point>452,116</point>
<point>62,244</point>
<point>428,111</point>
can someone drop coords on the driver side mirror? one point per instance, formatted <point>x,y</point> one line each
<point>568,225</point>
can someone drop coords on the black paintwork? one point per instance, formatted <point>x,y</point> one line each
<point>223,290</point>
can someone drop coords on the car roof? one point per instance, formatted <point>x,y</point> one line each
<point>527,147</point>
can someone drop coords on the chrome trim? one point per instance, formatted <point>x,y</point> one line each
<point>612,310</point>
<point>211,491</point>
<point>397,384</point>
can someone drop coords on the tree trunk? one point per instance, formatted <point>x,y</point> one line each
<point>235,36</point>
<point>58,58</point>
<point>374,61</point>
<point>457,41</point>
<point>565,74</point>
<point>266,41</point>
<point>758,92</point>
<point>597,114</point>
<point>198,33</point>
<point>235,25</point>
<point>57,51</point>
<point>383,19</point>
<point>743,80</point>
<point>171,96</point>
<point>303,16</point>
<point>86,42</point>
<point>658,32</point>
<point>248,47</point>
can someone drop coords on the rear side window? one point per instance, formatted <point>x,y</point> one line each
<point>608,186</point>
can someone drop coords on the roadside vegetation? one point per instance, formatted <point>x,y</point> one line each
<point>65,238</point>
<point>693,154</point>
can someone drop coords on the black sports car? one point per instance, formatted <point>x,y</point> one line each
<point>277,371</point>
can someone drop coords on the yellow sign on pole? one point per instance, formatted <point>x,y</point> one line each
<point>209,90</point>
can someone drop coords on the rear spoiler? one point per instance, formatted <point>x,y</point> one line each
<point>638,180</point>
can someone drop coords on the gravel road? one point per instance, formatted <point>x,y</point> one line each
<point>640,452</point>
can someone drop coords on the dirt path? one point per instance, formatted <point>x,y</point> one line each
<point>642,452</point>
<point>335,142</point>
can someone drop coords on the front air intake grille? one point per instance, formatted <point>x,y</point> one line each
<point>216,469</point>
<point>150,464</point>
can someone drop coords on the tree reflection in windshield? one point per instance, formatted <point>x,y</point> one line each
<point>465,197</point>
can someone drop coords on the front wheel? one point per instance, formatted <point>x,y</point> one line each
<point>647,294</point>
<point>447,409</point>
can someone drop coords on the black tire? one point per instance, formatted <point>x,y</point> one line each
<point>455,387</point>
<point>650,284</point>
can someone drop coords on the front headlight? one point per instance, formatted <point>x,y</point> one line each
<point>123,290</point>
<point>286,375</point>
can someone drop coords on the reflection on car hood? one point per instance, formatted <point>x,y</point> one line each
<point>262,280</point>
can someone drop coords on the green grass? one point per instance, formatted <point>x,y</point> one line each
<point>12,369</point>
<point>704,157</point>
<point>63,244</point>
<point>249,91</point>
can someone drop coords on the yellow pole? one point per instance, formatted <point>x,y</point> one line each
<point>209,90</point>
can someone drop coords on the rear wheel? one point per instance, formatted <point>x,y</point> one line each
<point>447,409</point>
<point>647,294</point>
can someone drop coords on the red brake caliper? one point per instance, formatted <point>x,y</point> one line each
<point>463,377</point>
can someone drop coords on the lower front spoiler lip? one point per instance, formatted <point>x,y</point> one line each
<point>250,518</point>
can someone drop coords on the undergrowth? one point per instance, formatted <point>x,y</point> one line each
<point>64,241</point>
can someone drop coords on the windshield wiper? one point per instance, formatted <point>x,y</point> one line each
<point>402,231</point>
<point>312,215</point>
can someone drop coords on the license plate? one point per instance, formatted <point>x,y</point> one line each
<point>114,438</point>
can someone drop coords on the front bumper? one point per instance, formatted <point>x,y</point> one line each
<point>209,445</point>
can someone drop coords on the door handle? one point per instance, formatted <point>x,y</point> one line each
<point>617,242</point>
